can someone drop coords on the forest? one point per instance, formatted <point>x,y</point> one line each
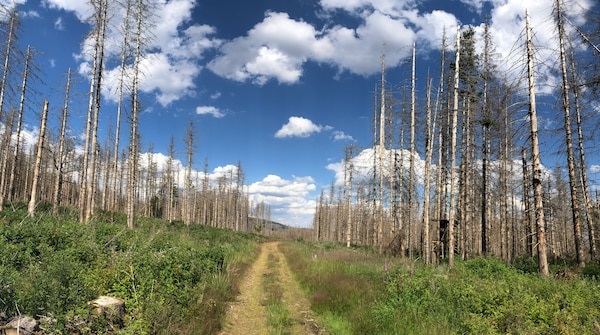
<point>67,171</point>
<point>483,167</point>
<point>80,217</point>
<point>485,187</point>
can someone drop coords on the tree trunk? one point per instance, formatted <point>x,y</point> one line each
<point>411,178</point>
<point>11,182</point>
<point>61,149</point>
<point>453,154</point>
<point>381,151</point>
<point>91,190</point>
<point>9,46</point>
<point>124,47</point>
<point>38,161</point>
<point>583,165</point>
<point>133,136</point>
<point>536,162</point>
<point>426,187</point>
<point>569,141</point>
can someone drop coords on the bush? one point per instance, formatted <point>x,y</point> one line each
<point>168,274</point>
<point>591,270</point>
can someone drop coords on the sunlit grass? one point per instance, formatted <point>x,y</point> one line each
<point>361,292</point>
<point>278,315</point>
<point>175,279</point>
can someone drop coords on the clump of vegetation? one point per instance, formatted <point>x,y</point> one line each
<point>175,279</point>
<point>360,292</point>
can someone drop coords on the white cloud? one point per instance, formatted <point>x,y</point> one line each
<point>279,46</point>
<point>31,14</point>
<point>286,198</point>
<point>341,136</point>
<point>210,110</point>
<point>595,168</point>
<point>275,48</point>
<point>177,47</point>
<point>58,24</point>
<point>81,8</point>
<point>298,127</point>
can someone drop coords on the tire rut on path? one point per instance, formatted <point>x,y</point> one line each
<point>249,315</point>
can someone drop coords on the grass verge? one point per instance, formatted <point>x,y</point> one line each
<point>360,292</point>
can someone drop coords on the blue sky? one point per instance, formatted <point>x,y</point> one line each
<point>281,86</point>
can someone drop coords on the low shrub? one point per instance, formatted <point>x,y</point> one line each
<point>175,279</point>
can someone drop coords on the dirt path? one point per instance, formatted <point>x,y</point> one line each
<point>270,300</point>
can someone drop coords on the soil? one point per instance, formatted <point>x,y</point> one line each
<point>248,314</point>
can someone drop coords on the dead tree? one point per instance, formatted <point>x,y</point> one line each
<point>569,141</point>
<point>38,161</point>
<point>536,161</point>
<point>452,210</point>
<point>61,149</point>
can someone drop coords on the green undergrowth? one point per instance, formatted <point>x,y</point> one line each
<point>360,292</point>
<point>175,279</point>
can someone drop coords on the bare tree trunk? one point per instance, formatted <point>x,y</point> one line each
<point>88,127</point>
<point>9,46</point>
<point>61,149</point>
<point>124,47</point>
<point>133,136</point>
<point>583,165</point>
<point>11,182</point>
<point>188,175</point>
<point>529,229</point>
<point>569,141</point>
<point>12,28</point>
<point>381,155</point>
<point>91,190</point>
<point>453,153</point>
<point>426,187</point>
<point>411,173</point>
<point>536,162</point>
<point>38,161</point>
<point>440,169</point>
<point>349,158</point>
<point>8,130</point>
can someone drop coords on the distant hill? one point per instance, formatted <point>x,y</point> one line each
<point>267,225</point>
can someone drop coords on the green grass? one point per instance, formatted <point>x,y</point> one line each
<point>352,293</point>
<point>278,315</point>
<point>175,279</point>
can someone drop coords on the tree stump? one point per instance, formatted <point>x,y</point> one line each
<point>110,308</point>
<point>22,325</point>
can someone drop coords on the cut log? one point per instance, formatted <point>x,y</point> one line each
<point>22,325</point>
<point>111,308</point>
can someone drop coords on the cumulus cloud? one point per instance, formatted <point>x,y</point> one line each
<point>209,110</point>
<point>81,8</point>
<point>298,127</point>
<point>177,45</point>
<point>279,46</point>
<point>286,198</point>
<point>341,136</point>
<point>275,48</point>
<point>595,168</point>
